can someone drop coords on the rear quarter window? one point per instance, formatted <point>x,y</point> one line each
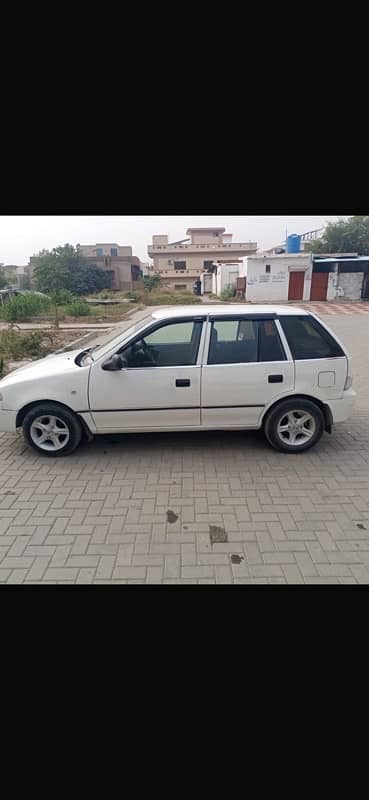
<point>308,339</point>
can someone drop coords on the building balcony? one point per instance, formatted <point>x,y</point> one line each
<point>210,247</point>
<point>178,273</point>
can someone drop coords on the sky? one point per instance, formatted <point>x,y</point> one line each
<point>23,236</point>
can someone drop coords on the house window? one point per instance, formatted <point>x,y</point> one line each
<point>99,251</point>
<point>179,265</point>
<point>180,285</point>
<point>267,268</point>
<point>113,251</point>
<point>208,264</point>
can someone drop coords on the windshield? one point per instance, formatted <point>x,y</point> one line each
<point>117,336</point>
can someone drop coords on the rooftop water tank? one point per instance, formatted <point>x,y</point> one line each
<point>293,243</point>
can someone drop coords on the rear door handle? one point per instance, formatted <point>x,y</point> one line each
<point>275,378</point>
<point>183,382</point>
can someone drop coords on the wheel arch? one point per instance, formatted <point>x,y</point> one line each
<point>324,407</point>
<point>25,409</point>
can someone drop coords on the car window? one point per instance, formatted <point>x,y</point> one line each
<point>111,340</point>
<point>179,333</point>
<point>233,342</point>
<point>244,341</point>
<point>172,344</point>
<point>308,339</point>
<point>270,345</point>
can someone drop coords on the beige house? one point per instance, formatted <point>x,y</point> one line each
<point>181,263</point>
<point>116,259</point>
<point>113,258</point>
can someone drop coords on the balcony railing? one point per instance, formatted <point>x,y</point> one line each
<point>189,273</point>
<point>210,246</point>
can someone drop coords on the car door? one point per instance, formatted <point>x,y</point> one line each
<point>245,368</point>
<point>159,386</point>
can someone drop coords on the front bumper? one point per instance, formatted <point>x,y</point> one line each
<point>7,421</point>
<point>342,409</point>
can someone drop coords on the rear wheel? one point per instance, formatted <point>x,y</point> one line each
<point>52,429</point>
<point>294,426</point>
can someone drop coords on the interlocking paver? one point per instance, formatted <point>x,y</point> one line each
<point>61,574</point>
<point>130,572</point>
<point>105,567</point>
<point>85,575</point>
<point>38,568</point>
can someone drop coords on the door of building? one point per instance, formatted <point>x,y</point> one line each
<point>296,285</point>
<point>208,282</point>
<point>319,286</point>
<point>365,289</point>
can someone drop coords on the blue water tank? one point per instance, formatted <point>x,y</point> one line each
<point>293,243</point>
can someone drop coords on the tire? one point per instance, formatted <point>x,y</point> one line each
<point>285,430</point>
<point>65,429</point>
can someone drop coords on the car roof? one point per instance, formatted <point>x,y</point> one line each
<point>225,309</point>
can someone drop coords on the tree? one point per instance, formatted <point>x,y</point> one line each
<point>24,281</point>
<point>50,274</point>
<point>344,236</point>
<point>89,278</point>
<point>3,281</point>
<point>151,282</point>
<point>65,267</point>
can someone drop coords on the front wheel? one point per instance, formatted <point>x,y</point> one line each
<point>294,426</point>
<point>52,429</point>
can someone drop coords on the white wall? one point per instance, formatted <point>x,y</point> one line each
<point>273,286</point>
<point>243,267</point>
<point>332,286</point>
<point>351,283</point>
<point>204,237</point>
<point>225,275</point>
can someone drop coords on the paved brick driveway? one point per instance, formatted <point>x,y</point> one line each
<point>213,507</point>
<point>327,309</point>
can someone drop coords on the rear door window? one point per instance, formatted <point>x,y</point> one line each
<point>270,345</point>
<point>308,339</point>
<point>240,341</point>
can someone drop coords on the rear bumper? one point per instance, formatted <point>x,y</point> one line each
<point>342,409</point>
<point>7,421</point>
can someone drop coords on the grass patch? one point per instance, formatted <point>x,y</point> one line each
<point>228,293</point>
<point>24,307</point>
<point>159,296</point>
<point>79,308</point>
<point>16,346</point>
<point>170,299</point>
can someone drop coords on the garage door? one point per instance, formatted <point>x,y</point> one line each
<point>319,285</point>
<point>296,286</point>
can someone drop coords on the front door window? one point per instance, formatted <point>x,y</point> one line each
<point>170,345</point>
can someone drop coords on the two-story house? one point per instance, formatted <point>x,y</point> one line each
<point>117,260</point>
<point>181,263</point>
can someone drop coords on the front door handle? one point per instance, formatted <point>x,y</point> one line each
<point>275,378</point>
<point>183,382</point>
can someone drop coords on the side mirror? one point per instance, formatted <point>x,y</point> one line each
<point>115,363</point>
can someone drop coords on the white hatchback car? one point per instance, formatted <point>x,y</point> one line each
<point>189,368</point>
